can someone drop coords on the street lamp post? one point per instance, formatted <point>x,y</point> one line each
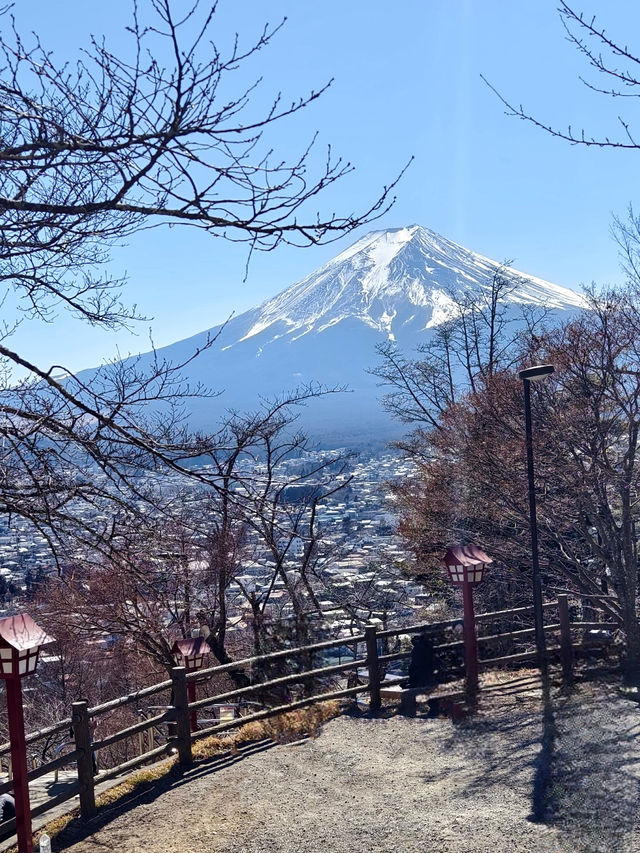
<point>20,642</point>
<point>529,375</point>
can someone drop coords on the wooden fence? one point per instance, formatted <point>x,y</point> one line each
<point>368,651</point>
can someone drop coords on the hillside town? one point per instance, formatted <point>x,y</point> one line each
<point>360,579</point>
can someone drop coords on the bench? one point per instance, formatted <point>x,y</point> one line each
<point>408,699</point>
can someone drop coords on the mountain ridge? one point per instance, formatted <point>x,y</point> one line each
<point>390,284</point>
<point>373,272</point>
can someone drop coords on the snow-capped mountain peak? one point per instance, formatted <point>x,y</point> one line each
<point>389,285</point>
<point>382,277</point>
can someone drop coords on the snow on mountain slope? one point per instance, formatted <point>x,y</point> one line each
<point>381,276</point>
<point>389,285</point>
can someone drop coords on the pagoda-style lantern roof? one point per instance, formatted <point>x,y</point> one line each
<point>466,563</point>
<point>192,650</point>
<point>20,642</point>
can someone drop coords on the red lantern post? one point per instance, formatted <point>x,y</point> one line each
<point>191,653</point>
<point>20,642</point>
<point>466,565</point>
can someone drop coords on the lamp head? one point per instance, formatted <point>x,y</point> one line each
<point>466,563</point>
<point>20,643</point>
<point>538,371</point>
<point>191,652</point>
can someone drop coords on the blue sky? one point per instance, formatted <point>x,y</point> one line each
<point>407,82</point>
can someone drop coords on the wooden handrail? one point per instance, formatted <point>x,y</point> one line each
<point>282,709</point>
<point>55,764</point>
<point>278,682</point>
<point>452,623</point>
<point>521,632</point>
<point>126,700</point>
<point>138,761</point>
<point>62,726</point>
<point>283,653</point>
<point>133,730</point>
<point>415,629</point>
<point>580,595</point>
<point>393,656</point>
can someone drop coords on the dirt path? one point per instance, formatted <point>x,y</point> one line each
<point>406,785</point>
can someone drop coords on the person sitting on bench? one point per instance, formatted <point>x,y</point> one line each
<point>422,666</point>
<point>8,807</point>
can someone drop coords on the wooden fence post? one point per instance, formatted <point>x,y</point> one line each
<point>566,647</point>
<point>82,737</point>
<point>181,705</point>
<point>373,667</point>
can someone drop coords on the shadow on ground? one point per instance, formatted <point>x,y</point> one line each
<point>595,785</point>
<point>79,830</point>
<point>509,737</point>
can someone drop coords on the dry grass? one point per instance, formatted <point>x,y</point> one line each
<point>497,677</point>
<point>135,781</point>
<point>305,722</point>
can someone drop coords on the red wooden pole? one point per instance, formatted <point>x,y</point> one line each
<point>470,641</point>
<point>193,715</point>
<point>19,765</point>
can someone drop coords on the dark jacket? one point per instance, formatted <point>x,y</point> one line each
<point>8,806</point>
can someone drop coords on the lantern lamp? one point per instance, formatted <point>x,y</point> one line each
<point>466,563</point>
<point>20,643</point>
<point>190,653</point>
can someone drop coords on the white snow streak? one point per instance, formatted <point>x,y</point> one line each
<point>387,277</point>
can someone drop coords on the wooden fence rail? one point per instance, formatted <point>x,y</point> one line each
<point>130,699</point>
<point>282,709</point>
<point>320,672</point>
<point>132,730</point>
<point>374,663</point>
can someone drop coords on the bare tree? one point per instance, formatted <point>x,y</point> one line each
<point>184,571</point>
<point>91,153</point>
<point>613,60</point>
<point>480,338</point>
<point>289,487</point>
<point>94,151</point>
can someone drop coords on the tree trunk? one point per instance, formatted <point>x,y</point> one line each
<point>238,676</point>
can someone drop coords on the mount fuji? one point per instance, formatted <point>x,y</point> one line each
<point>389,285</point>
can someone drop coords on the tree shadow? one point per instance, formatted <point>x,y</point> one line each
<point>482,747</point>
<point>574,754</point>
<point>595,790</point>
<point>511,737</point>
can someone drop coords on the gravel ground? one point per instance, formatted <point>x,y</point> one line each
<point>596,769</point>
<point>381,785</point>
